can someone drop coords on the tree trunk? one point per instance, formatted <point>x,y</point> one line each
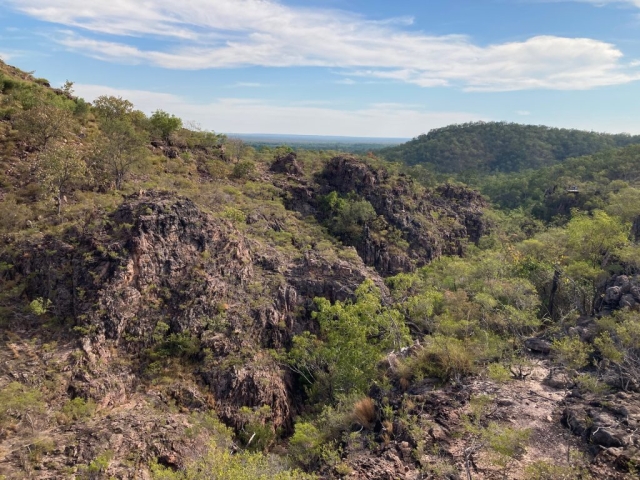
<point>554,289</point>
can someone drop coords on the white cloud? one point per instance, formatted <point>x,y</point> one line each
<point>602,3</point>
<point>248,85</point>
<point>523,113</point>
<point>254,116</point>
<point>201,34</point>
<point>346,81</point>
<point>4,56</point>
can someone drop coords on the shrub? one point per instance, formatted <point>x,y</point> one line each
<point>305,446</point>
<point>77,409</point>
<point>590,383</point>
<point>17,399</point>
<point>506,441</point>
<point>39,306</point>
<point>353,338</point>
<point>446,358</point>
<point>571,352</point>
<point>256,432</point>
<point>498,373</point>
<point>364,412</point>
<point>234,214</point>
<point>545,470</point>
<point>43,124</point>
<point>221,464</point>
<point>98,466</point>
<point>244,169</point>
<point>608,348</point>
<point>164,123</point>
<point>39,447</point>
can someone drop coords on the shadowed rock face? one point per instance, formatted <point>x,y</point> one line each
<point>620,291</point>
<point>287,164</point>
<point>436,223</point>
<point>160,261</point>
<point>159,275</point>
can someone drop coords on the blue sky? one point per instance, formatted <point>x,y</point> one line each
<point>348,67</point>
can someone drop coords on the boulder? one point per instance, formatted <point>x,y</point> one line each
<point>538,345</point>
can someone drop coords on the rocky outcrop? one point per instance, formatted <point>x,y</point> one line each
<point>287,164</point>
<point>620,291</point>
<point>160,274</point>
<point>538,345</point>
<point>434,223</point>
<point>607,423</point>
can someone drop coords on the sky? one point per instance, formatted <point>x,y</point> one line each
<point>366,68</point>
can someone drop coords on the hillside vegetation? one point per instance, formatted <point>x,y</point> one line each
<point>177,305</point>
<point>500,147</point>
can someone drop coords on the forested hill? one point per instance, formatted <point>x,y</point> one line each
<point>501,147</point>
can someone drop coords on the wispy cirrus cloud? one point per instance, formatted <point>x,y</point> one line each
<point>602,3</point>
<point>200,34</point>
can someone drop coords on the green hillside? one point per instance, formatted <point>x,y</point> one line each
<point>500,147</point>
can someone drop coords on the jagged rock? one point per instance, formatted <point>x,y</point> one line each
<point>413,215</point>
<point>623,282</point>
<point>287,164</point>
<point>606,422</point>
<point>603,437</point>
<point>613,295</point>
<point>538,345</point>
<point>627,300</point>
<point>161,261</point>
<point>620,291</point>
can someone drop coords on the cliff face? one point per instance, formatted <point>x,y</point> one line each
<point>160,279</point>
<point>161,267</point>
<point>433,223</point>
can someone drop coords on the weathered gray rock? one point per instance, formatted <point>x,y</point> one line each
<point>538,345</point>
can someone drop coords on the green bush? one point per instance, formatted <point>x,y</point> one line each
<point>446,358</point>
<point>244,169</point>
<point>164,124</point>
<point>354,335</point>
<point>256,431</point>
<point>305,445</point>
<point>40,447</point>
<point>17,399</point>
<point>77,409</point>
<point>571,352</point>
<point>221,464</point>
<point>39,306</point>
<point>498,373</point>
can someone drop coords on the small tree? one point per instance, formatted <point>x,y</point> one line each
<point>164,124</point>
<point>60,167</point>
<point>121,144</point>
<point>353,338</point>
<point>43,124</point>
<point>118,148</point>
<point>112,108</point>
<point>234,148</point>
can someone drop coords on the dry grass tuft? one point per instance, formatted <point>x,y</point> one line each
<point>364,412</point>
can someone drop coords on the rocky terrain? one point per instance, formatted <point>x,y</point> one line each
<point>210,310</point>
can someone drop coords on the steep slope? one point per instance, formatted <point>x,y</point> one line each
<point>161,288</point>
